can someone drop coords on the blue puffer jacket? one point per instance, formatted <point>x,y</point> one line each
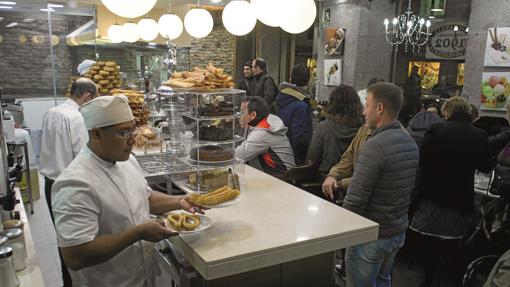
<point>296,114</point>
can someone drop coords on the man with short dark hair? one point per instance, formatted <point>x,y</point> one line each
<point>267,147</point>
<point>247,81</point>
<point>63,136</point>
<point>293,104</point>
<point>263,84</point>
<point>381,187</point>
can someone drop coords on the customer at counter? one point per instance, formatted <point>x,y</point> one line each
<point>101,203</point>
<point>63,136</point>
<point>266,147</point>
<point>451,152</point>
<point>381,187</point>
<point>332,137</point>
<point>263,84</point>
<point>294,110</point>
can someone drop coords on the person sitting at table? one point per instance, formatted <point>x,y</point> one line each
<point>344,116</point>
<point>451,151</point>
<point>266,147</point>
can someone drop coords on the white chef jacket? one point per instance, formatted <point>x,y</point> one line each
<point>93,197</point>
<point>63,136</point>
<point>363,94</point>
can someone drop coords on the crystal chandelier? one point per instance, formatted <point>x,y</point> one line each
<point>407,29</point>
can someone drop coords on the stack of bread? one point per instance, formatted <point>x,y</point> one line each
<point>208,79</point>
<point>106,75</point>
<point>69,84</point>
<point>135,100</point>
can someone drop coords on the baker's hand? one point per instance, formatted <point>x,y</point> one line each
<point>189,206</point>
<point>154,230</point>
<point>329,186</point>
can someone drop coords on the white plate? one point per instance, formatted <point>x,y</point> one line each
<point>205,223</point>
<point>223,204</point>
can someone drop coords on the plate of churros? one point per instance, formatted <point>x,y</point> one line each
<point>221,197</point>
<point>186,223</point>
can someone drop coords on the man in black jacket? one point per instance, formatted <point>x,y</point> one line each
<point>263,85</point>
<point>246,82</point>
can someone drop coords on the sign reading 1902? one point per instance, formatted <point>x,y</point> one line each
<point>446,43</point>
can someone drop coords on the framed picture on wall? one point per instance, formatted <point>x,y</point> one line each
<point>332,72</point>
<point>334,41</point>
<point>495,90</point>
<point>497,49</point>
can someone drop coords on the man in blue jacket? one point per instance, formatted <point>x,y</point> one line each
<point>294,110</point>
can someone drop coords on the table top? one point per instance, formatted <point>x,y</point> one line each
<point>274,222</point>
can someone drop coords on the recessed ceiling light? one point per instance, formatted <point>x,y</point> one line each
<point>6,7</point>
<point>10,25</point>
<point>215,1</point>
<point>55,5</point>
<point>46,10</point>
<point>7,3</point>
<point>28,20</point>
<point>436,10</point>
<point>432,17</point>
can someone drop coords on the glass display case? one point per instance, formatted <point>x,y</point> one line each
<point>200,134</point>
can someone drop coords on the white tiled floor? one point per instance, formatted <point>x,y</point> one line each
<point>45,241</point>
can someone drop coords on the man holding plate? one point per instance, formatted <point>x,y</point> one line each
<point>101,203</point>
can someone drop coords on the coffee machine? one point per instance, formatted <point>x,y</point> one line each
<point>7,182</point>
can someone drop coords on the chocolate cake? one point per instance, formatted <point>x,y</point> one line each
<point>211,153</point>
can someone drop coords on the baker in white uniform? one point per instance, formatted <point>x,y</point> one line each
<point>63,136</point>
<point>101,204</point>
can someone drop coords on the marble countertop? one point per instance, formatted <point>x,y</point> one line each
<point>274,222</point>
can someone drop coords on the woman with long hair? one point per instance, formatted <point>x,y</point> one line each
<point>344,116</point>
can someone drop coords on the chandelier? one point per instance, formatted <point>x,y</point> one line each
<point>407,29</point>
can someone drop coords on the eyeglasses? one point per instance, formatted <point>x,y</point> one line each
<point>125,133</point>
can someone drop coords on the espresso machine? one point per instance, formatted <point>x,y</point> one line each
<point>8,178</point>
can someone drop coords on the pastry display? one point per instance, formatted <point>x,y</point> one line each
<point>207,79</point>
<point>214,133</point>
<point>183,221</point>
<point>211,153</point>
<point>210,180</point>
<point>146,136</point>
<point>136,101</point>
<point>216,109</point>
<point>216,197</point>
<point>105,75</point>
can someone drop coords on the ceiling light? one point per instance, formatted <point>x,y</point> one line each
<point>436,10</point>
<point>268,11</point>
<point>28,20</point>
<point>432,17</point>
<point>147,29</point>
<point>198,22</point>
<point>2,18</point>
<point>170,26</point>
<point>115,33</point>
<point>129,8</point>
<point>467,29</point>
<point>47,9</point>
<point>130,32</point>
<point>152,44</point>
<point>239,18</point>
<point>455,28</point>
<point>10,25</point>
<point>55,5</point>
<point>6,7</point>
<point>298,16</point>
<point>216,1</point>
<point>7,3</point>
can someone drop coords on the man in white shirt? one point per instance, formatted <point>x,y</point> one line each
<point>63,136</point>
<point>101,203</point>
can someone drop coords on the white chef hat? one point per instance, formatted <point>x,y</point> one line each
<point>84,66</point>
<point>106,111</point>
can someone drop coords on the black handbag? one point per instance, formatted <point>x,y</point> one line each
<point>500,184</point>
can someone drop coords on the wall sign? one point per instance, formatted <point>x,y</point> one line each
<point>446,43</point>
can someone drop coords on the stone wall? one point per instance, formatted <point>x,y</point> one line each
<point>482,18</point>
<point>217,48</point>
<point>366,53</point>
<point>25,62</point>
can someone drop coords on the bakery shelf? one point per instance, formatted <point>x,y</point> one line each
<point>204,118</point>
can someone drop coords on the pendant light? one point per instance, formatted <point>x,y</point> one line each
<point>198,22</point>
<point>129,8</point>
<point>147,29</point>
<point>298,16</point>
<point>239,17</point>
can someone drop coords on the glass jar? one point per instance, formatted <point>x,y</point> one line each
<point>17,243</point>
<point>8,277</point>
